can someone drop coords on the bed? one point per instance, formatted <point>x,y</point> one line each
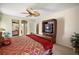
<point>27,45</point>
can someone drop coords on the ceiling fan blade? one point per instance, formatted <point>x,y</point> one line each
<point>31,12</point>
<point>36,13</point>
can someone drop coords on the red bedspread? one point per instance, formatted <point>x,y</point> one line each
<point>46,44</point>
<point>22,46</point>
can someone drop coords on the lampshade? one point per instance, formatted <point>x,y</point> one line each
<point>2,29</point>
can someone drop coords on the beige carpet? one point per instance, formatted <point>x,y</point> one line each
<point>62,50</point>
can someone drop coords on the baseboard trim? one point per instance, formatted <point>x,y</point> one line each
<point>64,45</point>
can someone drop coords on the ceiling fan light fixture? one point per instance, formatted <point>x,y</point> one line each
<point>31,12</point>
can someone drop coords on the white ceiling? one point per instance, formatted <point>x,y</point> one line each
<point>15,9</point>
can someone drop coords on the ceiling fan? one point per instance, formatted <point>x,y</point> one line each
<point>31,12</point>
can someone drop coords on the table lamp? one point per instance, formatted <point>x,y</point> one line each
<point>1,30</point>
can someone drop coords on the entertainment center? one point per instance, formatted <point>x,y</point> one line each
<point>49,29</point>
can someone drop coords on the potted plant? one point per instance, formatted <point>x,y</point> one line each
<point>75,42</point>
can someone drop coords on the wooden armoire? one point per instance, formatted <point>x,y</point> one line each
<point>49,29</point>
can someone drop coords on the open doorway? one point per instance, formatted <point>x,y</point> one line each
<point>15,27</point>
<point>19,27</point>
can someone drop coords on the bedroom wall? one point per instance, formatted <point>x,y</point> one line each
<point>6,22</point>
<point>67,24</point>
<point>0,18</point>
<point>33,26</point>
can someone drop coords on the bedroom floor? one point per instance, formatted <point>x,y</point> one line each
<point>62,50</point>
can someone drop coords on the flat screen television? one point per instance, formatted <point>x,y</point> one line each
<point>48,28</point>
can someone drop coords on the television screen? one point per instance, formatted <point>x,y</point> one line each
<point>49,28</point>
